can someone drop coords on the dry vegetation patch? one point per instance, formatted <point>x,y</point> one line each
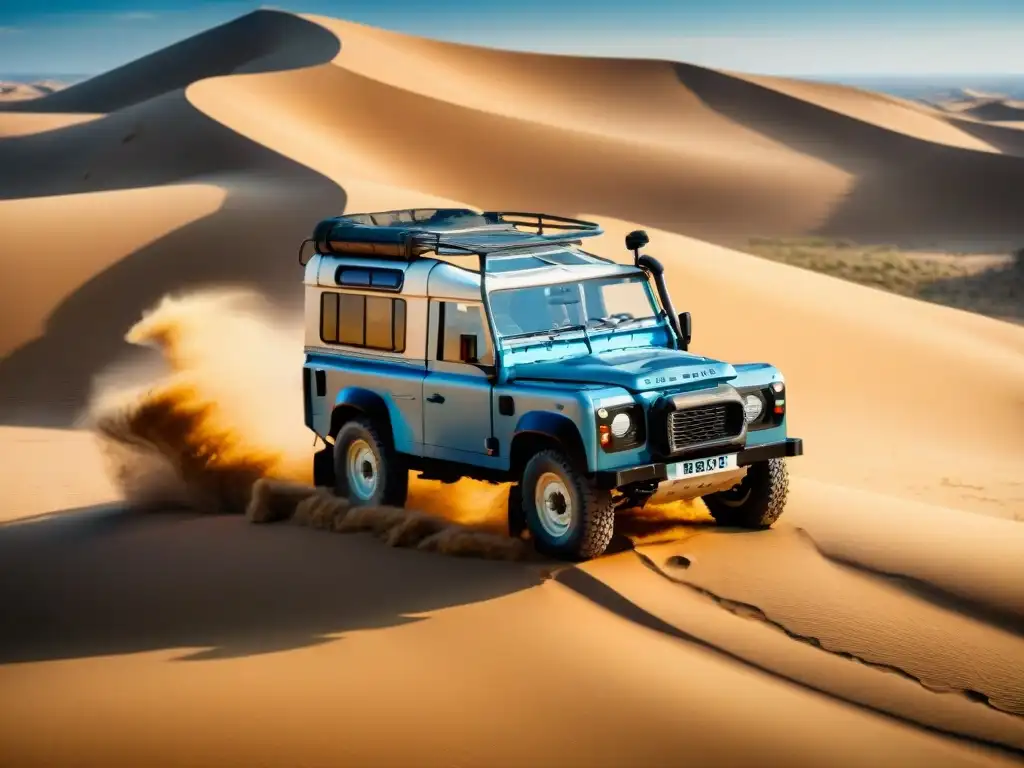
<point>989,284</point>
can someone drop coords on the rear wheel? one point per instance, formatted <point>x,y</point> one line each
<point>568,516</point>
<point>367,470</point>
<point>757,501</point>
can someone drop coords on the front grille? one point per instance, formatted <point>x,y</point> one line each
<point>703,424</point>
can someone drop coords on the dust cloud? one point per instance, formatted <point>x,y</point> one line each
<point>273,501</point>
<point>222,431</point>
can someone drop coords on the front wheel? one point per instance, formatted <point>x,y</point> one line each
<point>568,516</point>
<point>757,501</point>
<point>367,470</point>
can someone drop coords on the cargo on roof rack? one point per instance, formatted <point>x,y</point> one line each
<point>411,233</point>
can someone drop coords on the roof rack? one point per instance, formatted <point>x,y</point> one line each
<point>415,232</point>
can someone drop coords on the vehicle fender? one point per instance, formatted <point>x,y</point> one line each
<point>363,401</point>
<point>553,427</point>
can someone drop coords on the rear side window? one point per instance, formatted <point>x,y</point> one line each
<point>456,319</point>
<point>351,327</point>
<point>373,322</point>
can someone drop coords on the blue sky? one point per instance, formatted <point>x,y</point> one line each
<point>825,38</point>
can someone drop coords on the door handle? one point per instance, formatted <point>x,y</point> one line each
<point>435,398</point>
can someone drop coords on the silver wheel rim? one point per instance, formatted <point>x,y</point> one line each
<point>361,468</point>
<point>553,504</point>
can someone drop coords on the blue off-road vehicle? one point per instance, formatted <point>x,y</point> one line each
<point>490,345</point>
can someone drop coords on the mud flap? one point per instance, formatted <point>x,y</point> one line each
<point>516,516</point>
<point>323,467</point>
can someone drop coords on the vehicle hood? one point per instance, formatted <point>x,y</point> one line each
<point>634,369</point>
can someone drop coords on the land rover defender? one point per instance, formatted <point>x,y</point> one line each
<point>455,343</point>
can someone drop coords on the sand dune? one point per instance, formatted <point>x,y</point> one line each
<point>878,109</point>
<point>994,120</point>
<point>18,92</point>
<point>1000,110</point>
<point>992,108</point>
<point>247,211</point>
<point>879,623</point>
<point>254,42</point>
<point>847,612</point>
<point>679,602</point>
<point>36,484</point>
<point>686,162</point>
<point>26,123</point>
<point>123,219</point>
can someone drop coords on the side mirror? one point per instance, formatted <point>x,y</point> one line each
<point>685,329</point>
<point>467,348</point>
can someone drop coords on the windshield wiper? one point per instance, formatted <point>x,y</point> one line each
<point>603,322</point>
<point>551,333</point>
<point>526,334</point>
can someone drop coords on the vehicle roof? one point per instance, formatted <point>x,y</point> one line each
<point>440,251</point>
<point>439,278</point>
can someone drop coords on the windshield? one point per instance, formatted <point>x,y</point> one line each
<point>601,303</point>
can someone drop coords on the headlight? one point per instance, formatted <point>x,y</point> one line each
<point>752,407</point>
<point>621,427</point>
<point>764,405</point>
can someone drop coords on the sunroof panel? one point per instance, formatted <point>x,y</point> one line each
<point>566,258</point>
<point>514,264</point>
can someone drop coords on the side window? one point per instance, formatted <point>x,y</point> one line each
<point>351,319</point>
<point>373,322</point>
<point>458,321</point>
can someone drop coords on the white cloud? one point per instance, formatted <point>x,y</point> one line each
<point>135,16</point>
<point>9,30</point>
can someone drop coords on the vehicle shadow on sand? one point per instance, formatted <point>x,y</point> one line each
<point>109,580</point>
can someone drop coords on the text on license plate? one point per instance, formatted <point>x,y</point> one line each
<point>697,467</point>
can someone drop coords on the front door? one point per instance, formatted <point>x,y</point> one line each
<point>457,388</point>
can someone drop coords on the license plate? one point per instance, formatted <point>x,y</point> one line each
<point>681,470</point>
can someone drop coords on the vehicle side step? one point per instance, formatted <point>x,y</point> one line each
<point>440,477</point>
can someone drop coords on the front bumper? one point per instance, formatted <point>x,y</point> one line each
<point>656,473</point>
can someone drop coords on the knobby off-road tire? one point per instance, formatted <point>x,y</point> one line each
<point>568,516</point>
<point>756,502</point>
<point>367,470</point>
